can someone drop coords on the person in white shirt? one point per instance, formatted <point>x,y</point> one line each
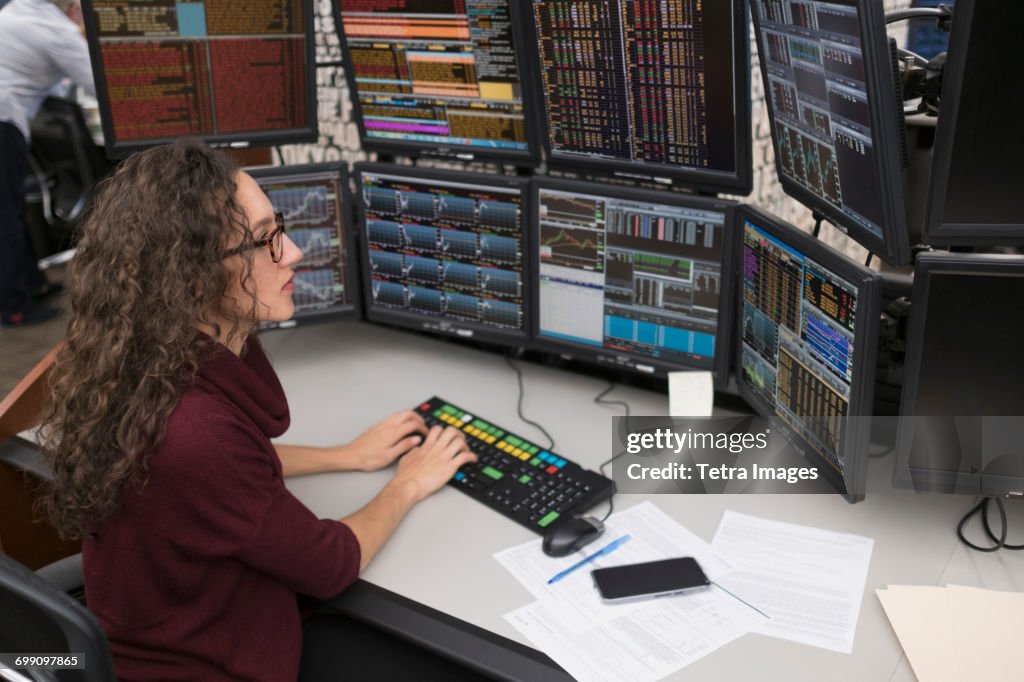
<point>41,44</point>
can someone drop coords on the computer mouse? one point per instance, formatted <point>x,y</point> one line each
<point>570,535</point>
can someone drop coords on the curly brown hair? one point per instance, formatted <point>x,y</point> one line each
<point>148,273</point>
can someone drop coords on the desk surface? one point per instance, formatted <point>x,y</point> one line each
<point>341,377</point>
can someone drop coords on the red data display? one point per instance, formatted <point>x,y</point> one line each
<point>209,69</point>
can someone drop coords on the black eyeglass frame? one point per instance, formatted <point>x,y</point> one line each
<point>274,241</point>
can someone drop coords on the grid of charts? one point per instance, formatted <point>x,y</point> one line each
<point>312,210</point>
<point>453,250</point>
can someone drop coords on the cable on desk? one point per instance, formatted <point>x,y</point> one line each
<point>982,508</point>
<point>599,399</point>
<point>519,405</point>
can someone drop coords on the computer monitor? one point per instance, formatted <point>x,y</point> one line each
<point>633,279</point>
<point>440,77</point>
<point>656,89</point>
<point>809,319</point>
<point>317,208</point>
<point>974,196</point>
<point>443,252</point>
<point>835,116</point>
<point>224,72</point>
<point>962,410</point>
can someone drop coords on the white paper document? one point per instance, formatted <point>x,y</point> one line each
<point>653,535</point>
<point>809,581</point>
<point>643,644</point>
<point>634,641</point>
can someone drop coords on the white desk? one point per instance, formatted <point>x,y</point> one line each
<point>341,377</point>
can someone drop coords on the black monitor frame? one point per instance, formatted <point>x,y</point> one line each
<point>739,181</point>
<point>885,107</point>
<point>121,148</point>
<point>936,229</point>
<point>852,481</point>
<point>624,361</point>
<point>440,326</point>
<point>529,158</point>
<point>931,480</point>
<point>353,309</point>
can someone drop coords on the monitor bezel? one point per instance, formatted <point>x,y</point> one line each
<point>851,482</point>
<point>611,359</point>
<point>932,480</point>
<point>353,309</point>
<point>262,138</point>
<point>738,182</point>
<point>528,158</point>
<point>444,327</point>
<point>937,230</point>
<point>894,245</point>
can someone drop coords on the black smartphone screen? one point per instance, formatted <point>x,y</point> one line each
<point>651,578</point>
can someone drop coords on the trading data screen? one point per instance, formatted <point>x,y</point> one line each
<point>436,72</point>
<point>640,81</point>
<point>813,62</point>
<point>630,277</point>
<point>313,216</point>
<point>799,321</point>
<point>211,68</point>
<point>444,250</point>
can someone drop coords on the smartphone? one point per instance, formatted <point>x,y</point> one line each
<point>650,579</point>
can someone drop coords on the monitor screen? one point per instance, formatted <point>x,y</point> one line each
<point>443,251</point>
<point>633,278</point>
<point>217,70</point>
<point>438,76</point>
<point>962,413</point>
<point>652,88</point>
<point>976,177</point>
<point>317,215</point>
<point>835,115</point>
<point>809,320</point>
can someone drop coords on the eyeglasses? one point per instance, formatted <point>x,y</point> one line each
<point>274,240</point>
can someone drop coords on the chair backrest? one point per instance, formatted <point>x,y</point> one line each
<point>38,618</point>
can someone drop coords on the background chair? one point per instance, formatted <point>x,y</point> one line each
<point>40,618</point>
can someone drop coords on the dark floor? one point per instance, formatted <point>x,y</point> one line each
<point>23,347</point>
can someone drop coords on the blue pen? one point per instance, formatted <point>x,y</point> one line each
<point>604,551</point>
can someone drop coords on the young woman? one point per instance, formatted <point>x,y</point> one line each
<point>159,434</point>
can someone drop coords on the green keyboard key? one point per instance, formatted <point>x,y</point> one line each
<point>493,473</point>
<point>497,433</point>
<point>534,462</point>
<point>546,521</point>
<point>525,478</point>
<point>512,440</point>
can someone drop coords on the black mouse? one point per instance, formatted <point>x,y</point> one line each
<point>570,535</point>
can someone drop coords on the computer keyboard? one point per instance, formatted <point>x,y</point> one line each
<point>533,487</point>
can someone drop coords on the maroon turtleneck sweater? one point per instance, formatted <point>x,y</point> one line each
<point>195,576</point>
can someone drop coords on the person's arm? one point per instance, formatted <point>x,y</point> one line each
<point>70,53</point>
<point>420,473</point>
<point>374,449</point>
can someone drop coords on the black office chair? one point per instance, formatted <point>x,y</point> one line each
<point>65,165</point>
<point>37,617</point>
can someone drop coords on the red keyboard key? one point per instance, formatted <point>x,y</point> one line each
<point>551,469</point>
